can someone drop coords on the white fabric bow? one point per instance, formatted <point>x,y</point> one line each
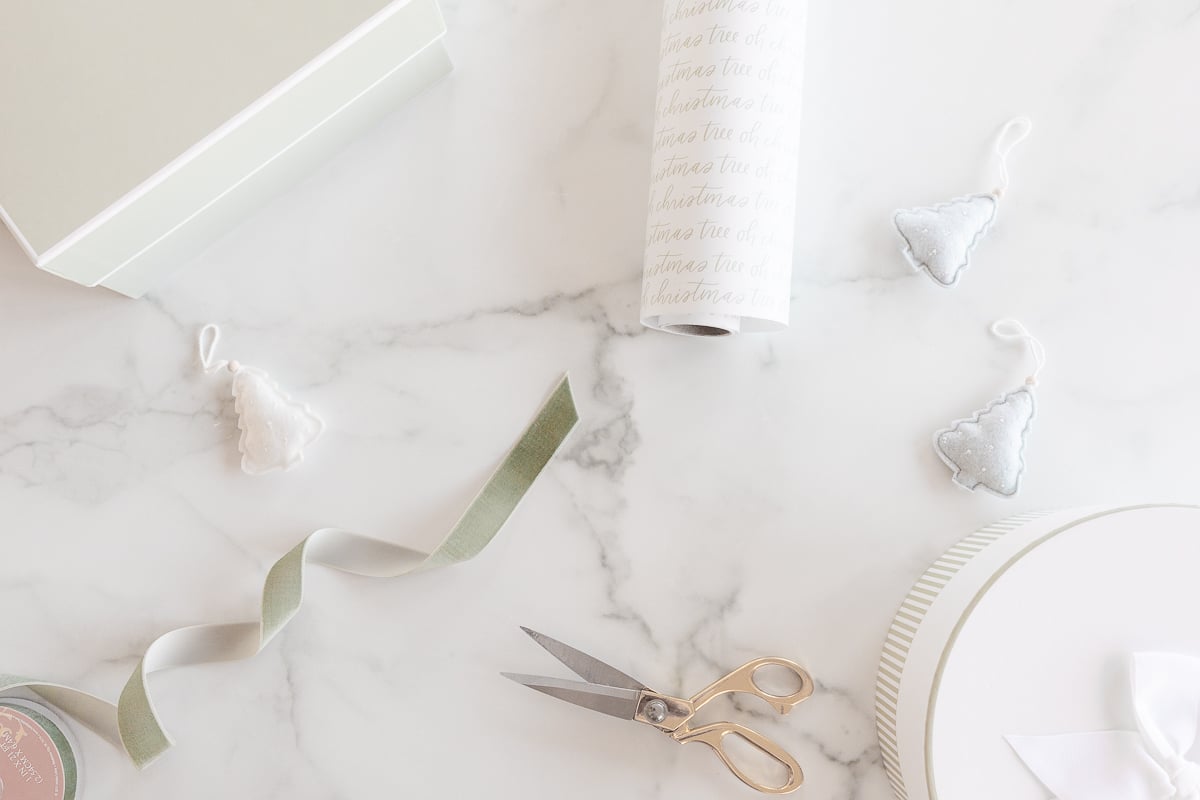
<point>1151,763</point>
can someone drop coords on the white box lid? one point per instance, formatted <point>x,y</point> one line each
<point>84,121</point>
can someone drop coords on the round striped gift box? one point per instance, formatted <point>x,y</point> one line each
<point>1025,627</point>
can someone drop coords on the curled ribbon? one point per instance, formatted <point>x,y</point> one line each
<point>1150,763</point>
<point>133,723</point>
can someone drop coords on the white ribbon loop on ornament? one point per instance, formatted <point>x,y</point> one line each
<point>206,345</point>
<point>1013,329</point>
<point>1152,763</point>
<point>1011,135</point>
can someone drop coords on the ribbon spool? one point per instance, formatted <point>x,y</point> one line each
<point>38,755</point>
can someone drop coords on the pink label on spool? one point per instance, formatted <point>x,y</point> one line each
<point>31,766</point>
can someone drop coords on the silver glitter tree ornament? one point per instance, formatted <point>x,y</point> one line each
<point>939,240</point>
<point>987,449</point>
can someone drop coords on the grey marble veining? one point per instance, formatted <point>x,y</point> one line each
<point>721,500</point>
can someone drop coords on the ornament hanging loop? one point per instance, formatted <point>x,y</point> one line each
<point>1015,131</point>
<point>1011,329</point>
<point>206,344</point>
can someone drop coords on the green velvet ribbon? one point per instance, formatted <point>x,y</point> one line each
<point>133,723</point>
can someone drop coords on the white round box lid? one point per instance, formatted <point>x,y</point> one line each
<point>1032,634</point>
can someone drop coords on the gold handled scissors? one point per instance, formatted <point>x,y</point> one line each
<point>610,691</point>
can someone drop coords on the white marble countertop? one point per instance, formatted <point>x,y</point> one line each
<point>720,500</point>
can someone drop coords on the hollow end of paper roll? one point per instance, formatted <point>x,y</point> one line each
<point>697,330</point>
<point>706,325</point>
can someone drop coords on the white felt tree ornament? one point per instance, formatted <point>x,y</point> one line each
<point>939,240</point>
<point>987,449</point>
<point>275,428</point>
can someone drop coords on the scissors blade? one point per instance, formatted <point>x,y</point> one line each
<point>592,670</point>
<point>610,700</point>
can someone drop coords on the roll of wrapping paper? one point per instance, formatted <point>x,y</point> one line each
<point>720,227</point>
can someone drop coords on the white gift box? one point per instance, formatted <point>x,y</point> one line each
<point>1026,628</point>
<point>132,133</point>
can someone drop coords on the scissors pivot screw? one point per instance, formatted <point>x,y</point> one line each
<point>656,711</point>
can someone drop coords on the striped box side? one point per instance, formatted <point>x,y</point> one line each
<point>904,627</point>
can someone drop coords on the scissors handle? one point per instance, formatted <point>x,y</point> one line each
<point>741,680</point>
<point>714,736</point>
